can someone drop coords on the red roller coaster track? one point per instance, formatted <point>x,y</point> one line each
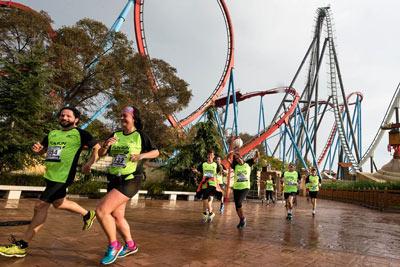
<point>274,126</point>
<point>52,34</point>
<point>141,44</point>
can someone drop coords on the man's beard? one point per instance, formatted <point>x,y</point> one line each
<point>66,125</point>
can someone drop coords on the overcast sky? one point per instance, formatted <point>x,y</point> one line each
<point>271,38</point>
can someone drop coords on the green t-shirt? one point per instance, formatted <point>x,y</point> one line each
<point>269,185</point>
<point>136,142</point>
<point>220,175</point>
<point>209,170</point>
<point>312,183</point>
<point>291,178</point>
<point>242,175</point>
<point>63,150</point>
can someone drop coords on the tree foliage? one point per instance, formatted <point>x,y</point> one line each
<point>25,110</point>
<point>192,152</point>
<point>172,96</point>
<point>89,61</point>
<point>22,32</point>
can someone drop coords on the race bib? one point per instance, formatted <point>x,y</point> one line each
<point>314,187</point>
<point>54,153</point>
<point>241,178</point>
<point>269,187</point>
<point>208,174</point>
<point>119,161</point>
<point>290,182</point>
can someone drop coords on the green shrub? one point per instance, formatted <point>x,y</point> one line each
<point>86,188</point>
<point>156,187</point>
<point>21,179</point>
<point>362,185</point>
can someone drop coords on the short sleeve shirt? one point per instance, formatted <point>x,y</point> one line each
<point>63,151</point>
<point>136,142</point>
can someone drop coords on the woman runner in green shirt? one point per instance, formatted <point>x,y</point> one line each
<point>128,148</point>
<point>241,184</point>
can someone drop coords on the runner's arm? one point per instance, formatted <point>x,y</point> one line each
<point>92,160</point>
<point>41,148</point>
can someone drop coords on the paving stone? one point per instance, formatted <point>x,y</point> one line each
<point>171,234</point>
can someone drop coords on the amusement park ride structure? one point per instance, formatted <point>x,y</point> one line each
<point>294,118</point>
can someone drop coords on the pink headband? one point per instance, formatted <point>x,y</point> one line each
<point>129,110</point>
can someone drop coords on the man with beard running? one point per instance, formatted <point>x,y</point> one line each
<point>63,148</point>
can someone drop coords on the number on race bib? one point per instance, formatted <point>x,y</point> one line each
<point>54,153</point>
<point>208,174</point>
<point>241,178</point>
<point>119,161</point>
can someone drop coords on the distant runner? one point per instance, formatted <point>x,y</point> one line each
<point>313,182</point>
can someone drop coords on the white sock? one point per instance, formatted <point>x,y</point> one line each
<point>290,211</point>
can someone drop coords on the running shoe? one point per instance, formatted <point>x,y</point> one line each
<point>211,217</point>
<point>222,208</point>
<point>290,217</point>
<point>242,223</point>
<point>204,218</point>
<point>267,205</point>
<point>16,249</point>
<point>111,254</point>
<point>128,251</point>
<point>88,222</point>
<point>313,212</point>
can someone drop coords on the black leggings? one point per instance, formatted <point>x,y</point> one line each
<point>269,194</point>
<point>239,195</point>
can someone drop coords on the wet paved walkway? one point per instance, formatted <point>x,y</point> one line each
<point>171,234</point>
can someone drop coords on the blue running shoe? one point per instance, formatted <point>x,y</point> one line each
<point>127,251</point>
<point>111,254</point>
<point>222,208</point>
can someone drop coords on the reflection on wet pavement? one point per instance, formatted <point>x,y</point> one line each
<point>169,233</point>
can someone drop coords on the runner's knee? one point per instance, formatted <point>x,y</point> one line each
<point>118,215</point>
<point>58,203</point>
<point>41,205</point>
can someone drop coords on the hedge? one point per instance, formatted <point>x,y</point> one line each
<point>362,185</point>
<point>92,185</point>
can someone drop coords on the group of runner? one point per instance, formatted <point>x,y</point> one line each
<point>291,181</point>
<point>211,185</point>
<point>128,148</point>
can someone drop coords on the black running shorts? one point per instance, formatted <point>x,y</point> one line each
<point>313,194</point>
<point>53,191</point>
<point>208,192</point>
<point>289,194</point>
<point>127,187</point>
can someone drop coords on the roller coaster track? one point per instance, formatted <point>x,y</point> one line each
<point>221,101</point>
<point>283,118</point>
<point>395,102</point>
<point>142,47</point>
<point>333,131</point>
<point>334,93</point>
<point>5,4</point>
